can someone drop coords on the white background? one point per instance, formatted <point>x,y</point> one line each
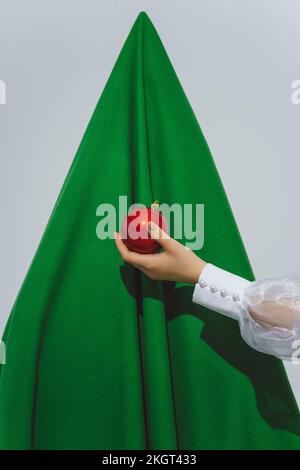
<point>236,61</point>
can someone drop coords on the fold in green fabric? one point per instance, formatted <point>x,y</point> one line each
<point>98,355</point>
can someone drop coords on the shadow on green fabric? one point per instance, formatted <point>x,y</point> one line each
<point>98,355</point>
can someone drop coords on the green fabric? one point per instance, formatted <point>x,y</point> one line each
<point>98,355</point>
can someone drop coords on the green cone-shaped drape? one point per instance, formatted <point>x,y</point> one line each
<point>98,355</point>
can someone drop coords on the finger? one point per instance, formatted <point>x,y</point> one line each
<point>121,245</point>
<point>123,250</point>
<point>160,236</point>
<point>136,259</point>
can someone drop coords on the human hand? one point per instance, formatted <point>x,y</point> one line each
<point>175,263</point>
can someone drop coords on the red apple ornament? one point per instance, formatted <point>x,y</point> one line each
<point>134,230</point>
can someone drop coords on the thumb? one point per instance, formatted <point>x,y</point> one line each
<point>160,236</point>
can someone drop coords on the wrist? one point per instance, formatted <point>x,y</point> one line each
<point>198,267</point>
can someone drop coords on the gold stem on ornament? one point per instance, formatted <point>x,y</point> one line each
<point>155,205</point>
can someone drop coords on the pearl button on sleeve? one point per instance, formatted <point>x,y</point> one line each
<point>220,290</point>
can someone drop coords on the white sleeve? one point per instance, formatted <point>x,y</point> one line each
<point>268,311</point>
<point>220,290</point>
